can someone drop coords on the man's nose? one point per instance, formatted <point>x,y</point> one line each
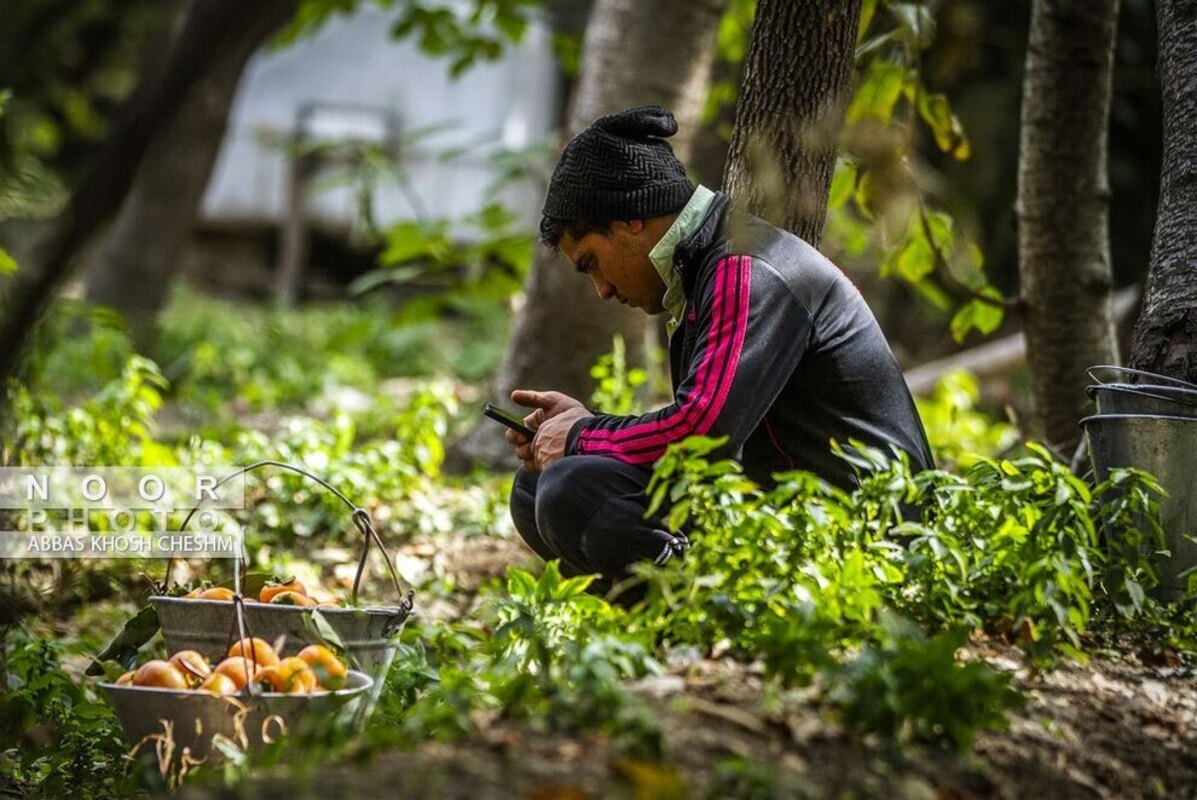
<point>605,289</point>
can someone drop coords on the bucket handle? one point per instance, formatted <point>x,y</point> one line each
<point>1138,373</point>
<point>361,520</point>
<point>1140,392</point>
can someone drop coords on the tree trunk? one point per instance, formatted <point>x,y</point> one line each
<point>158,97</point>
<point>636,52</point>
<point>796,80</point>
<point>1165,339</point>
<point>135,268</point>
<point>1063,202</point>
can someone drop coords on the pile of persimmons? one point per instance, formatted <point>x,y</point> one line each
<point>314,669</point>
<point>291,593</point>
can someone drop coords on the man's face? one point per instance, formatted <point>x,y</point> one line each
<point>618,263</point>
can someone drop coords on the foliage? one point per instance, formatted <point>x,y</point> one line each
<point>880,202</point>
<point>66,67</point>
<point>556,658</point>
<point>113,427</point>
<point>959,434</point>
<point>795,573</point>
<point>911,687</point>
<point>616,384</point>
<point>57,737</point>
<point>484,253</point>
<point>465,36</point>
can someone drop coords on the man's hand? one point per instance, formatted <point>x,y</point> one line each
<point>554,414</point>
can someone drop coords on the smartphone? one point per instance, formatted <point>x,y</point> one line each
<point>509,419</point>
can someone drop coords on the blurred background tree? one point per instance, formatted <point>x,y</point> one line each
<point>1063,203</point>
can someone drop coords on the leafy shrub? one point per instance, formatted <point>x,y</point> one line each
<point>545,651</point>
<point>113,427</point>
<point>798,574</point>
<point>911,687</point>
<point>57,738</point>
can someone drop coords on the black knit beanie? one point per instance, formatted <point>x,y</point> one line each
<point>620,168</point>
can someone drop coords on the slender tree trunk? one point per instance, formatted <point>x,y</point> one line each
<point>636,52</point>
<point>1165,337</point>
<point>796,80</point>
<point>158,97</point>
<point>135,268</point>
<point>1063,204</point>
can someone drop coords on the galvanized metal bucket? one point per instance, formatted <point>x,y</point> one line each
<point>1165,446</point>
<point>1140,398</point>
<point>368,633</point>
<point>194,718</point>
<point>205,625</point>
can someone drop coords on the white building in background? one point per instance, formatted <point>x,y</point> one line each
<point>352,81</point>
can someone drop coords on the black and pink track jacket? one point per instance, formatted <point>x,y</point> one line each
<point>777,351</point>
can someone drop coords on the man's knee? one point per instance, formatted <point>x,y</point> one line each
<point>564,491</point>
<point>523,512</point>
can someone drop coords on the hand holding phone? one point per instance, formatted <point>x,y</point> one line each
<point>507,418</point>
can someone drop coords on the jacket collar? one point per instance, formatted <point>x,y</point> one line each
<point>692,250</point>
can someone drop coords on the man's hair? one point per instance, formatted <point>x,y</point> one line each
<point>553,229</point>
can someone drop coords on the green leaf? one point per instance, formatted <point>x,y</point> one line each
<point>912,262</point>
<point>520,583</point>
<point>843,184</point>
<point>252,584</point>
<point>8,264</point>
<point>984,316</point>
<point>124,646</point>
<point>318,630</point>
<point>878,93</point>
<point>945,126</point>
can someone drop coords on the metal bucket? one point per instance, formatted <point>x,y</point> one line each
<point>1165,446</point>
<point>207,625</point>
<point>195,717</point>
<point>1138,398</point>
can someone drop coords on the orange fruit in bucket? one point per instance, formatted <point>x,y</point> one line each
<point>270,590</point>
<point>237,669</point>
<point>159,674</point>
<point>219,683</point>
<point>291,675</point>
<point>126,679</point>
<point>216,593</point>
<point>195,667</point>
<point>257,650</point>
<point>298,672</point>
<point>330,671</point>
<point>292,599</point>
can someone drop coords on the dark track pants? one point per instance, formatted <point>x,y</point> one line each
<point>588,511</point>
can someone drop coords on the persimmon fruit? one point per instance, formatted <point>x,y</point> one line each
<point>256,649</point>
<point>270,590</point>
<point>159,674</point>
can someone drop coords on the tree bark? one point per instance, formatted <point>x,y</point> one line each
<point>796,80</point>
<point>135,268</point>
<point>159,95</point>
<point>1063,204</point>
<point>636,52</point>
<point>1165,338</point>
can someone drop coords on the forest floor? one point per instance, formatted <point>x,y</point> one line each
<point>1113,727</point>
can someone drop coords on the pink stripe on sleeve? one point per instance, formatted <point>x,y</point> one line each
<point>725,341</point>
